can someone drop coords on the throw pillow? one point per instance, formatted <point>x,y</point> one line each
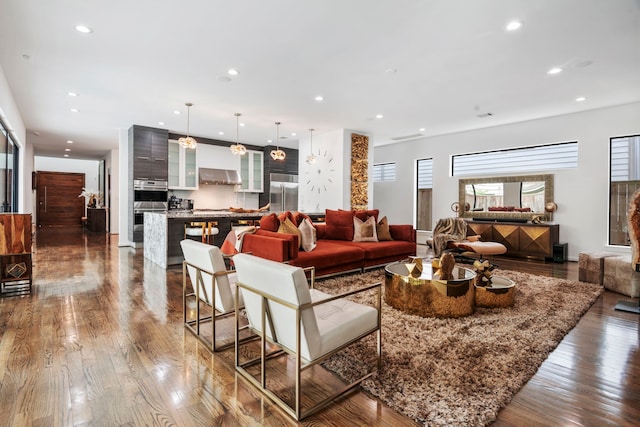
<point>270,222</point>
<point>288,227</point>
<point>382,229</point>
<point>298,217</point>
<point>307,235</point>
<point>339,225</point>
<point>364,231</point>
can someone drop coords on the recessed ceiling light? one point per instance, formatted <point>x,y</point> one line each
<point>319,98</point>
<point>293,134</point>
<point>390,71</point>
<point>72,94</point>
<point>242,124</point>
<point>379,116</point>
<point>233,72</point>
<point>74,110</point>
<point>84,29</point>
<point>422,129</point>
<point>513,25</point>
<point>268,140</point>
<point>69,141</point>
<point>581,98</point>
<point>220,133</point>
<point>67,149</point>
<point>555,70</point>
<point>161,123</point>
<point>176,112</point>
<point>66,155</point>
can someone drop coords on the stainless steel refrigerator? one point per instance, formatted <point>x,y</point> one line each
<point>283,192</point>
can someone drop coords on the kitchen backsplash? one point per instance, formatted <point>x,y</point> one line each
<point>218,197</point>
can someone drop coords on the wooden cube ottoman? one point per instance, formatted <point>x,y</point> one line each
<point>619,276</point>
<point>591,266</point>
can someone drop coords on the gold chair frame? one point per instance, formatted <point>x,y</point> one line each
<point>193,325</point>
<point>297,411</point>
<point>207,226</point>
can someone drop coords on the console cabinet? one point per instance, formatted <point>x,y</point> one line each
<point>526,240</point>
<point>15,254</point>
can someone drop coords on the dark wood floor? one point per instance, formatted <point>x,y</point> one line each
<point>100,342</point>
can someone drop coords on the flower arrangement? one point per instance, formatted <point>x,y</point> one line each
<point>92,197</point>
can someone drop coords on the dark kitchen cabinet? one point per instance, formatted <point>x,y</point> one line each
<point>150,153</point>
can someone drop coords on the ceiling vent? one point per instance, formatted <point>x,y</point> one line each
<point>483,115</point>
<point>402,138</point>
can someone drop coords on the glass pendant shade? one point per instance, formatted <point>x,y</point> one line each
<point>278,154</point>
<point>238,148</point>
<point>187,141</point>
<point>311,159</point>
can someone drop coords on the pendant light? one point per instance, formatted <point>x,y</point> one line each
<point>278,154</point>
<point>311,159</point>
<point>187,141</point>
<point>238,148</point>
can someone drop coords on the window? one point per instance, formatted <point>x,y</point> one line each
<point>517,160</point>
<point>384,172</point>
<point>8,171</point>
<point>624,181</point>
<point>424,195</point>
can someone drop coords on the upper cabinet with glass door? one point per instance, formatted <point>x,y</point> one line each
<point>182,167</point>
<point>251,171</point>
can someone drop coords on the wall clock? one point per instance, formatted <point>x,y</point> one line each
<point>321,173</point>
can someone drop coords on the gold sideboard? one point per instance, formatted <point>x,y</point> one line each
<point>526,240</point>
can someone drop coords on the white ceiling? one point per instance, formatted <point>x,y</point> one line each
<point>432,64</point>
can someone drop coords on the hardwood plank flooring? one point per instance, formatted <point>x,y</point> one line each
<point>100,342</point>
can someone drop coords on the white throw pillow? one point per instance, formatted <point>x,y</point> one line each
<point>308,235</point>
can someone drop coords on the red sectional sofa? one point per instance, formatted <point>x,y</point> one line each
<point>335,250</point>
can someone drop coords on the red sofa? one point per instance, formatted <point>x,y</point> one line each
<point>335,252</point>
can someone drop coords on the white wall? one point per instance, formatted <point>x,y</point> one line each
<point>56,164</point>
<point>582,194</point>
<point>326,184</point>
<point>112,201</point>
<point>11,117</point>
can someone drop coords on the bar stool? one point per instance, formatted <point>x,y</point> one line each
<point>205,230</point>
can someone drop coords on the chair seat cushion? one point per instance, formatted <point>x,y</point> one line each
<point>332,318</point>
<point>197,231</point>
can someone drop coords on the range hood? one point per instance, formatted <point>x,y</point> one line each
<point>219,176</point>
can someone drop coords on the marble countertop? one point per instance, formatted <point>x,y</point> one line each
<point>213,214</point>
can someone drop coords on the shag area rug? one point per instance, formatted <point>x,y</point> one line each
<point>461,372</point>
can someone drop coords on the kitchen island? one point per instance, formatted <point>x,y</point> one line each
<point>163,231</point>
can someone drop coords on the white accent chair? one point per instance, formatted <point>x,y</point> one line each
<point>211,284</point>
<point>306,324</point>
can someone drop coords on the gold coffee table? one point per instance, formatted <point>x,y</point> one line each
<point>425,294</point>
<point>501,293</point>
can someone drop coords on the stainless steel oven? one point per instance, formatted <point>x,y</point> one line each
<point>148,196</point>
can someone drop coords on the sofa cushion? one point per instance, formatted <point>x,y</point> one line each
<point>329,254</point>
<point>364,231</point>
<point>270,222</point>
<point>382,230</point>
<point>383,250</point>
<point>404,232</point>
<point>339,224</point>
<point>298,217</point>
<point>293,241</point>
<point>364,214</point>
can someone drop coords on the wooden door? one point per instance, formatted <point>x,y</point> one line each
<point>58,201</point>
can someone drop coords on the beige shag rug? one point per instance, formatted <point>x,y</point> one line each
<point>461,372</point>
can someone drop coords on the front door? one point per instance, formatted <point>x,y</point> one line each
<point>58,201</point>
